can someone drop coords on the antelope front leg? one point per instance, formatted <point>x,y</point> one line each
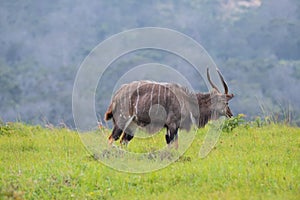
<point>172,137</point>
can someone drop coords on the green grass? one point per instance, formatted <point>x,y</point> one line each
<point>247,163</point>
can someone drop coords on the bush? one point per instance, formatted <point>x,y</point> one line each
<point>231,123</point>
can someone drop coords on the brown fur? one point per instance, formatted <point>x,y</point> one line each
<point>154,105</point>
<point>109,113</point>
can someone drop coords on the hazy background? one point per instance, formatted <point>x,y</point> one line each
<point>255,43</point>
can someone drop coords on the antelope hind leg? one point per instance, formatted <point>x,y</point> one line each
<point>115,135</point>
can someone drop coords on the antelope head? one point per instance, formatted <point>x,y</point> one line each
<point>219,101</point>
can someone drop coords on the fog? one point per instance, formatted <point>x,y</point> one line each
<point>255,43</point>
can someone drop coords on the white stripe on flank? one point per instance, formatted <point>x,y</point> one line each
<point>165,95</point>
<point>138,98</point>
<point>129,96</point>
<point>152,94</point>
<point>158,94</point>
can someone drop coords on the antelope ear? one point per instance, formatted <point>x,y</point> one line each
<point>229,96</point>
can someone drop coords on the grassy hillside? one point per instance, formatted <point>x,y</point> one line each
<point>247,163</point>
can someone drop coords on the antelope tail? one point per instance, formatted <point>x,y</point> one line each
<point>109,113</point>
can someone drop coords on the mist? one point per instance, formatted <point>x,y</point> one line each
<point>256,45</point>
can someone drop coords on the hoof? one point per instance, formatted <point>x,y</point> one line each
<point>110,140</point>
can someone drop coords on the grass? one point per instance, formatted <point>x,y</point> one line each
<point>247,163</point>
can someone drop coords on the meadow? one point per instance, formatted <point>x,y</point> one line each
<point>249,162</point>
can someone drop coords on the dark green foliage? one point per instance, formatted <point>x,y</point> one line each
<point>9,89</point>
<point>233,122</point>
<point>43,43</point>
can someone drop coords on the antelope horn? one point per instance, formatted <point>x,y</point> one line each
<point>224,83</point>
<point>211,83</point>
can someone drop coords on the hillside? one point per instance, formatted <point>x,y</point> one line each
<point>255,43</point>
<point>249,163</point>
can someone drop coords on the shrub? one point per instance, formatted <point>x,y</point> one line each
<point>231,123</point>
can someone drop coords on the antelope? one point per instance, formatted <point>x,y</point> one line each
<point>156,105</point>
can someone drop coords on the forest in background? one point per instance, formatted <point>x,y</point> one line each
<point>255,43</point>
